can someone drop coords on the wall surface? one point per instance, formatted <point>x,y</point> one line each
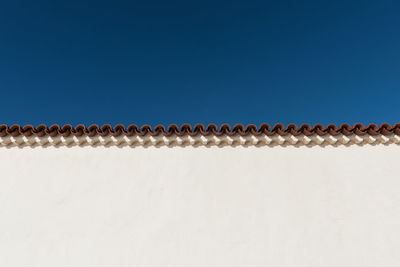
<point>200,206</point>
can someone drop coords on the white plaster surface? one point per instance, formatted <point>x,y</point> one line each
<point>200,206</point>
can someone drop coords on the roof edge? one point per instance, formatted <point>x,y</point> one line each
<point>42,130</point>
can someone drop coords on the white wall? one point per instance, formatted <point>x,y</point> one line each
<point>178,207</point>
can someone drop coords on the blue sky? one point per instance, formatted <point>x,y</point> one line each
<point>161,62</point>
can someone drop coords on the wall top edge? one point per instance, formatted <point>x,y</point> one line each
<point>226,130</point>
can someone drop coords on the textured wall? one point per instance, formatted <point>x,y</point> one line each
<point>205,206</point>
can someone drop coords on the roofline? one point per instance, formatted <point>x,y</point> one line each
<point>42,130</point>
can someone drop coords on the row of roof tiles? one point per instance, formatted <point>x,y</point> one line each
<point>200,129</point>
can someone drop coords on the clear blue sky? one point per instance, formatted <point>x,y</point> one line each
<point>162,62</point>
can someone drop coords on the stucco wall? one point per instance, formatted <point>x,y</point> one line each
<point>200,206</point>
